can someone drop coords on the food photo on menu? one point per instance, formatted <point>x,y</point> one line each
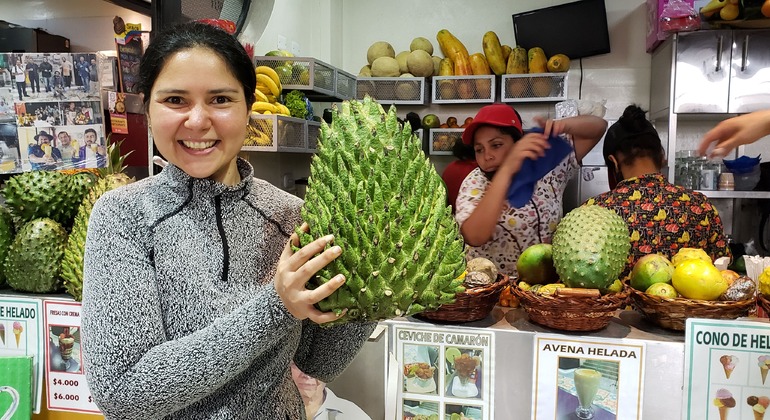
<point>421,410</point>
<point>587,389</point>
<point>420,373</point>
<point>64,346</point>
<point>463,372</point>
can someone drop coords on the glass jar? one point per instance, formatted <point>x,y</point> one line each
<point>709,175</point>
<point>688,169</point>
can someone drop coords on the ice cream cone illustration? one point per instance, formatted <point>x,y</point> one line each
<point>17,330</point>
<point>724,401</point>
<point>758,406</point>
<point>764,364</point>
<point>728,364</point>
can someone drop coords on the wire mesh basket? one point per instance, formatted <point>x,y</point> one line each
<point>345,85</point>
<point>313,132</point>
<point>302,73</point>
<point>463,89</point>
<point>273,133</point>
<point>393,90</point>
<point>538,87</point>
<point>442,140</point>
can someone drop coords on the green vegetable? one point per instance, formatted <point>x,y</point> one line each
<point>295,101</point>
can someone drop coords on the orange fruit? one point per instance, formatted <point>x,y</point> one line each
<point>698,279</point>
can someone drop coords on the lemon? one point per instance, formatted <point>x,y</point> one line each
<point>685,254</point>
<point>698,279</point>
<point>664,290</point>
<point>764,282</point>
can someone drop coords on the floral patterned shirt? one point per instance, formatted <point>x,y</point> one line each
<point>517,228</point>
<point>663,217</point>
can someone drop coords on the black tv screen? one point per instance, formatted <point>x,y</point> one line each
<point>577,29</point>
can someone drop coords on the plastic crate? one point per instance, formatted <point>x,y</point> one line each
<point>281,134</point>
<point>302,73</point>
<point>393,90</point>
<point>442,140</point>
<point>313,133</point>
<point>463,89</point>
<point>346,85</point>
<point>537,87</point>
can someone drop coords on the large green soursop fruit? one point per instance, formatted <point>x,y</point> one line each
<point>34,258</point>
<point>373,188</point>
<point>6,238</point>
<point>590,247</point>
<point>72,263</point>
<point>52,194</point>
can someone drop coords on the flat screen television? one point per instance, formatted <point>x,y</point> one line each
<point>577,29</point>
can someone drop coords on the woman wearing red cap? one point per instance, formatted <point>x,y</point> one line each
<point>662,217</point>
<point>493,227</point>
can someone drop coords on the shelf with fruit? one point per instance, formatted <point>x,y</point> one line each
<point>442,136</point>
<point>318,80</point>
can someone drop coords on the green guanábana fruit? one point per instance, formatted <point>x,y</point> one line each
<point>590,247</point>
<point>6,238</point>
<point>372,187</point>
<point>34,258</point>
<point>52,194</point>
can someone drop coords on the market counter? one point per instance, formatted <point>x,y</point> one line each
<point>512,356</point>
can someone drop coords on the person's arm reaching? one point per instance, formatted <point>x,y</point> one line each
<point>733,132</point>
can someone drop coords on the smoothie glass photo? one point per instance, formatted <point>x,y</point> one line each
<point>586,385</point>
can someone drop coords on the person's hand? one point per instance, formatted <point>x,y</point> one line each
<point>531,146</point>
<point>733,132</point>
<point>295,269</point>
<point>552,127</point>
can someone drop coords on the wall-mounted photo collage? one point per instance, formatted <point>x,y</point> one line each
<point>50,112</point>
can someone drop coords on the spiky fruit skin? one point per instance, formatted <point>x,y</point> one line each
<point>372,187</point>
<point>34,258</point>
<point>6,238</point>
<point>590,247</point>
<point>72,263</point>
<point>36,194</point>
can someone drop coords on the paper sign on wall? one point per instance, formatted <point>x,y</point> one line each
<point>589,378</point>
<point>726,364</point>
<point>65,380</point>
<point>445,372</point>
<point>20,326</point>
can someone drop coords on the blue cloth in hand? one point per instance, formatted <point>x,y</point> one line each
<point>523,185</point>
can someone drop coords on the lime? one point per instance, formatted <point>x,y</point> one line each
<point>698,279</point>
<point>615,287</point>
<point>535,265</point>
<point>651,269</point>
<point>451,354</point>
<point>664,290</point>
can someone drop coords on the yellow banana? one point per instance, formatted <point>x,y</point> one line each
<point>271,98</point>
<point>283,109</point>
<point>263,107</point>
<point>270,73</point>
<point>713,6</point>
<point>264,89</point>
<point>267,81</point>
<point>260,96</point>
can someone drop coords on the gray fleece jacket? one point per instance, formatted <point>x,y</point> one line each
<point>180,317</point>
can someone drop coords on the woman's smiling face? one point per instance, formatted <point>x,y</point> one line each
<point>198,114</point>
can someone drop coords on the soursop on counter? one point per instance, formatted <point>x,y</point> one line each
<point>372,187</point>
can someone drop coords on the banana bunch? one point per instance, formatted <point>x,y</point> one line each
<point>727,9</point>
<point>259,132</point>
<point>267,92</point>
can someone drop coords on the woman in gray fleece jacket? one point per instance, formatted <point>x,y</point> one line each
<point>194,304</point>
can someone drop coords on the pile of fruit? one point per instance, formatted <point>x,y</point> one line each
<point>587,255</point>
<point>43,228</point>
<point>691,275</point>
<point>268,91</point>
<point>444,140</point>
<point>731,10</point>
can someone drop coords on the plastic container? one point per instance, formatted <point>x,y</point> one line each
<point>747,181</point>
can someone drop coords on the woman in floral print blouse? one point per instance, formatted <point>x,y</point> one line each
<point>662,217</point>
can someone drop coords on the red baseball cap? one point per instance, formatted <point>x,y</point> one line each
<point>499,115</point>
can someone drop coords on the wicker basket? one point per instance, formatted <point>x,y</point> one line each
<point>764,303</point>
<point>471,305</point>
<point>673,313</point>
<point>568,313</point>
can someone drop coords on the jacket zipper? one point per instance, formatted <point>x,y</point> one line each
<point>225,248</point>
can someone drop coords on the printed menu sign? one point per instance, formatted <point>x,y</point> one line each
<point>726,364</point>
<point>65,381</point>
<point>588,378</point>
<point>445,373</point>
<point>129,55</point>
<point>21,324</point>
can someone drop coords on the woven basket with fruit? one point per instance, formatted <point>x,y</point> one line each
<point>572,284</point>
<point>689,286</point>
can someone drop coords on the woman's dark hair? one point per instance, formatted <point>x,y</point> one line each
<point>190,35</point>
<point>463,151</point>
<point>633,137</point>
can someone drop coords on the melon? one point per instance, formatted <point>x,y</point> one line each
<point>379,49</point>
<point>385,67</point>
<point>421,43</point>
<point>401,58</point>
<point>420,63</point>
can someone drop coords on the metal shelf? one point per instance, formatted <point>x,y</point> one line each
<point>735,194</point>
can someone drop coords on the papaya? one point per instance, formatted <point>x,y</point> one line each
<point>456,51</point>
<point>559,63</point>
<point>506,53</point>
<point>536,60</point>
<point>446,67</point>
<point>517,61</point>
<point>493,51</point>
<point>480,67</point>
<point>446,88</point>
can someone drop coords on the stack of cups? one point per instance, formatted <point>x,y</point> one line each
<point>726,181</point>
